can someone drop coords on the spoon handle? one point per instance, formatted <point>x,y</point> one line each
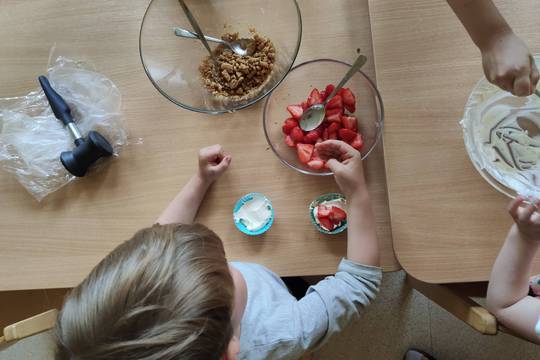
<point>358,63</point>
<point>198,30</point>
<point>191,35</point>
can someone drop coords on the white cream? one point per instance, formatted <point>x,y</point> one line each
<point>340,203</point>
<point>497,143</point>
<point>255,213</point>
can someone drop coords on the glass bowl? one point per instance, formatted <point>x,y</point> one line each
<point>297,86</point>
<point>321,199</point>
<point>172,63</point>
<point>494,138</point>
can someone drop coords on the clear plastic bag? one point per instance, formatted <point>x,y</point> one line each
<point>31,138</point>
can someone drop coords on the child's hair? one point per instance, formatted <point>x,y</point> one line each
<point>166,293</point>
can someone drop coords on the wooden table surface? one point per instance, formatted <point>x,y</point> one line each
<point>56,242</point>
<point>447,222</point>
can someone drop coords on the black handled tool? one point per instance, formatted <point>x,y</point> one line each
<point>87,151</point>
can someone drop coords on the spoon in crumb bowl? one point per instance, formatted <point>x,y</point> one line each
<point>240,47</point>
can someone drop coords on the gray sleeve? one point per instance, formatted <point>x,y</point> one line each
<point>335,302</point>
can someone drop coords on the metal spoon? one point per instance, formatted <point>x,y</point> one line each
<point>314,115</point>
<point>241,47</point>
<point>199,32</point>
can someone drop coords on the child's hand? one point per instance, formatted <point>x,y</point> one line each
<point>526,217</point>
<point>212,163</point>
<point>346,164</point>
<point>508,64</point>
<point>534,284</point>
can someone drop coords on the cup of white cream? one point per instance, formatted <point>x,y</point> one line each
<point>253,214</point>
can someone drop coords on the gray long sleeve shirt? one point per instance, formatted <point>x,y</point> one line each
<point>277,326</point>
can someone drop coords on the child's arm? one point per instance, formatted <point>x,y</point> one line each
<point>212,163</point>
<point>362,244</point>
<point>509,283</point>
<point>506,59</point>
<point>335,302</point>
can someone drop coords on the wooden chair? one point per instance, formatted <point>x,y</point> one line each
<point>28,327</point>
<point>457,300</point>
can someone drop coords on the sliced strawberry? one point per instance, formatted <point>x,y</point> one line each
<point>323,211</point>
<point>324,95</point>
<point>296,111</point>
<point>347,135</point>
<point>325,134</point>
<point>314,97</point>
<point>350,108</point>
<point>316,164</point>
<point>304,152</point>
<point>349,122</point>
<point>337,215</point>
<point>319,130</point>
<point>328,90</point>
<point>334,128</point>
<point>332,136</point>
<point>357,142</point>
<point>349,101</point>
<point>334,115</point>
<point>326,224</point>
<point>288,125</point>
<point>311,137</point>
<point>304,105</point>
<point>335,103</point>
<point>289,141</point>
<point>297,135</point>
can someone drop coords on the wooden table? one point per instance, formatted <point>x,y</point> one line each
<point>55,243</point>
<point>447,222</point>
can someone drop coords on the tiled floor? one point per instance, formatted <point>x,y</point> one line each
<point>400,318</point>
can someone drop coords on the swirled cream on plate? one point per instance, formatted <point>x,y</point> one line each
<point>502,136</point>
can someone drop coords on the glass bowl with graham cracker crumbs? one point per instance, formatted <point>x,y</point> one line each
<point>182,70</point>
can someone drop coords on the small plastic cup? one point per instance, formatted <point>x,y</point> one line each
<point>321,199</point>
<point>241,226</point>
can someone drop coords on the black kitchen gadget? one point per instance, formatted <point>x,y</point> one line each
<point>87,151</point>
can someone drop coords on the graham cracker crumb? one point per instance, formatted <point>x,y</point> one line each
<point>239,77</point>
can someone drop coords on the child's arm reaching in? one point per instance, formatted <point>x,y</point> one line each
<point>329,306</point>
<point>506,59</point>
<point>346,164</point>
<point>508,287</point>
<point>212,163</point>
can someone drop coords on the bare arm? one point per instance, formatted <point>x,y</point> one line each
<point>184,207</point>
<point>346,163</point>
<point>481,19</point>
<point>362,244</point>
<point>506,59</point>
<point>508,287</point>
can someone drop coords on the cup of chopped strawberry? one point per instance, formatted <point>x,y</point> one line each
<point>339,124</point>
<point>328,213</point>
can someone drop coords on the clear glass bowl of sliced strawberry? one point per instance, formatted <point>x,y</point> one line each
<point>354,115</point>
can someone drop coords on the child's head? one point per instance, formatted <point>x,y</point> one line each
<point>167,293</point>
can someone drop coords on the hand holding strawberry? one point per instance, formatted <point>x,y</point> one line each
<point>346,164</point>
<point>212,163</point>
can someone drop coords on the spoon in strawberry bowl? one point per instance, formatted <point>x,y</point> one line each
<point>314,115</point>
